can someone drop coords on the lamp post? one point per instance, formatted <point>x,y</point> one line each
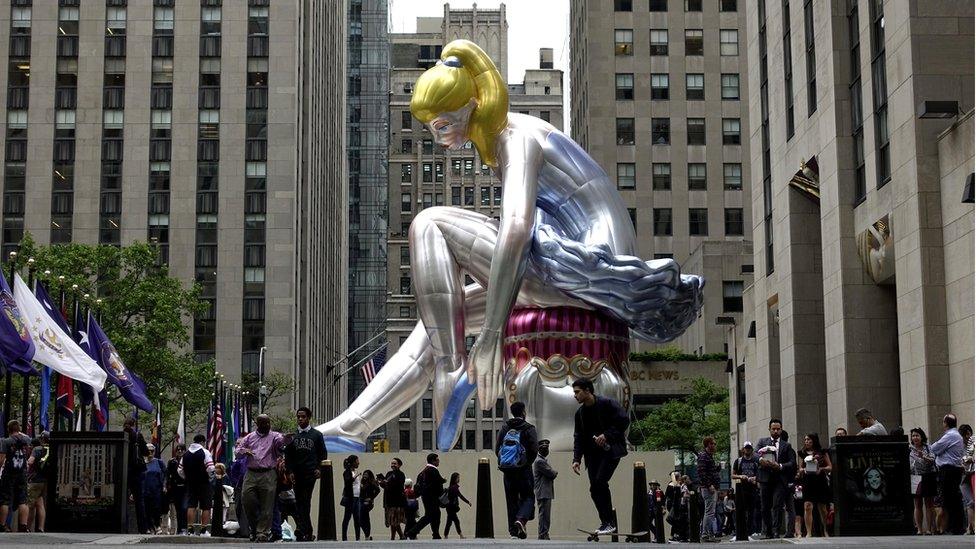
<point>262,390</point>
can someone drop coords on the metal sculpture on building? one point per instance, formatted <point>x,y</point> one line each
<point>561,255</point>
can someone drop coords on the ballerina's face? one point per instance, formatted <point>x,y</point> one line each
<point>450,129</point>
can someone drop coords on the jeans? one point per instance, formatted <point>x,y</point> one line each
<point>364,520</point>
<point>304,484</point>
<point>177,498</point>
<point>452,518</point>
<point>519,496</point>
<point>773,496</point>
<point>600,468</point>
<point>748,505</point>
<point>135,490</point>
<point>260,489</point>
<point>949,479</point>
<point>545,512</point>
<point>709,495</point>
<point>351,512</point>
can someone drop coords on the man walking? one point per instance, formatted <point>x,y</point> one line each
<point>429,486</point>
<point>262,448</point>
<point>599,438</point>
<point>708,480</point>
<point>544,476</point>
<point>516,449</point>
<point>302,458</point>
<point>777,465</point>
<point>745,469</point>
<point>196,468</point>
<point>15,450</point>
<point>949,451</point>
<point>176,490</point>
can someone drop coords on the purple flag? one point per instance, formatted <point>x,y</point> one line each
<point>100,348</point>
<point>16,344</point>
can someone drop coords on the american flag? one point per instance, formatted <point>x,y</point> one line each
<point>373,365</point>
<point>215,435</point>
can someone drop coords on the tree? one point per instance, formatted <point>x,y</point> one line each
<point>277,385</point>
<point>144,311</point>
<point>681,424</point>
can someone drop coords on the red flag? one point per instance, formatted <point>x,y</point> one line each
<point>66,399</point>
<point>215,438</point>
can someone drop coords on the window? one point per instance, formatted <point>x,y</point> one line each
<point>731,132</point>
<point>18,119</point>
<point>732,296</point>
<point>729,42</point>
<point>455,196</point>
<point>406,173</point>
<point>406,146</point>
<point>406,121</point>
<point>730,86</point>
<point>733,222</point>
<point>694,42</point>
<point>112,119</point>
<point>487,440</point>
<point>693,5</point>
<point>857,107</point>
<point>698,221</point>
<point>632,213</point>
<point>163,18</point>
<point>115,20</point>
<point>405,285</point>
<point>65,119</point>
<point>20,17</point>
<point>740,393</point>
<point>626,175</point>
<point>661,176</point>
<point>623,42</point>
<point>659,41</point>
<point>695,87</point>
<point>879,88</point>
<point>657,5</point>
<point>623,5</point>
<point>469,196</point>
<point>428,440</point>
<point>696,131</point>
<point>625,131</point>
<point>428,172</point>
<point>486,196</point>
<point>661,131</point>
<point>697,181</point>
<point>729,5</point>
<point>788,69</point>
<point>659,86</point>
<point>732,177</point>
<point>811,57</point>
<point>405,202</point>
<point>662,221</point>
<point>625,87</point>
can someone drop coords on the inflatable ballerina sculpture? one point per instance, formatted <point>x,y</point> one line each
<point>564,239</point>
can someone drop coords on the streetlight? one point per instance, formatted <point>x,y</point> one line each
<point>264,391</point>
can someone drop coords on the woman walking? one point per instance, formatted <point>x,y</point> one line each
<point>394,498</point>
<point>367,497</point>
<point>454,499</point>
<point>351,485</point>
<point>812,476</point>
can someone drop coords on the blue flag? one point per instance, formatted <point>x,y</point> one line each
<point>100,348</point>
<point>16,344</point>
<point>45,398</point>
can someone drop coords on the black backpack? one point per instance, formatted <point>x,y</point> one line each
<point>194,468</point>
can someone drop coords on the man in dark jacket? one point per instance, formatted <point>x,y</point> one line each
<point>137,465</point>
<point>544,493</point>
<point>516,468</point>
<point>777,465</point>
<point>430,485</point>
<point>302,458</point>
<point>176,488</point>
<point>600,437</point>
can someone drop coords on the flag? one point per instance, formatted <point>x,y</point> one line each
<point>29,428</point>
<point>16,343</point>
<point>156,436</point>
<point>65,401</point>
<point>45,399</point>
<point>373,365</point>
<point>215,432</point>
<point>100,348</point>
<point>52,345</point>
<point>231,430</point>
<point>99,417</point>
<point>180,428</point>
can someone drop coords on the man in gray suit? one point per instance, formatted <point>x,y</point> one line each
<point>544,475</point>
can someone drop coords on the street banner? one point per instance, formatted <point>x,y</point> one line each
<point>16,344</point>
<point>132,388</point>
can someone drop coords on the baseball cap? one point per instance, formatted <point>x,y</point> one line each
<point>747,444</point>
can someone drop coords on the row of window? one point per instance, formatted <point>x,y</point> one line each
<point>15,153</point>
<point>661,131</point>
<point>623,42</point>
<point>662,5</point>
<point>661,176</point>
<point>697,221</point>
<point>661,86</point>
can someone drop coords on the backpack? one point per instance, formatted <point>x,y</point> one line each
<point>18,451</point>
<point>419,487</point>
<point>195,469</point>
<point>511,455</point>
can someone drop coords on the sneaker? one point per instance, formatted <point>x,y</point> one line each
<point>607,529</point>
<point>205,534</point>
<point>520,529</point>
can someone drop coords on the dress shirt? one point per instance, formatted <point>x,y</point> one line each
<point>266,449</point>
<point>949,449</point>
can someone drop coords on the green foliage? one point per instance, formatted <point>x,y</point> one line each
<point>278,386</point>
<point>144,311</point>
<point>673,353</point>
<point>681,424</point>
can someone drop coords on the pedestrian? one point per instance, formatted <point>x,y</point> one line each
<point>410,511</point>
<point>15,450</point>
<point>777,465</point>
<point>544,475</point>
<point>516,448</point>
<point>153,489</point>
<point>39,470</point>
<point>429,486</point>
<point>454,497</point>
<point>672,503</point>
<point>813,470</point>
<point>949,452</point>
<point>708,480</point>
<point>840,432</point>
<point>176,491</point>
<point>394,498</point>
<point>745,469</point>
<point>720,514</point>
<point>196,467</point>
<point>729,527</point>
<point>351,487</point>
<point>303,457</point>
<point>966,486</point>
<point>285,502</point>
<point>869,425</point>
<point>924,481</point>
<point>262,447</point>
<point>367,500</point>
<point>236,474</point>
<point>137,466</point>
<point>599,437</point>
<point>217,488</point>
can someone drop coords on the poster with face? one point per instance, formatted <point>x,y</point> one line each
<point>872,488</point>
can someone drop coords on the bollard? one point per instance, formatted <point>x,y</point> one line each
<point>659,518</point>
<point>694,517</point>
<point>641,515</point>
<point>613,537</point>
<point>741,513</point>
<point>484,522</point>
<point>327,522</point>
<point>217,513</point>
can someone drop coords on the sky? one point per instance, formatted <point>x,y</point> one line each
<point>532,24</point>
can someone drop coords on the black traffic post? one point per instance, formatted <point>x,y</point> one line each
<point>327,521</point>
<point>741,513</point>
<point>694,517</point>
<point>484,522</point>
<point>640,518</point>
<point>217,513</point>
<point>659,517</point>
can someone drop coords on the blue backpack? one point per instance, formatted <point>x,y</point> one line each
<point>511,455</point>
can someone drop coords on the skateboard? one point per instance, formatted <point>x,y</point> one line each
<point>629,538</point>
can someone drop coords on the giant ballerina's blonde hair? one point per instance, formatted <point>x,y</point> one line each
<point>451,84</point>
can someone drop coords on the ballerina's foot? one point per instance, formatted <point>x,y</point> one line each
<point>450,425</point>
<point>335,443</point>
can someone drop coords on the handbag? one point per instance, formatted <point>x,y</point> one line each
<point>345,501</point>
<point>445,498</point>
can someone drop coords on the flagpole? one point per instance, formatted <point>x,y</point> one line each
<point>360,363</point>
<point>7,392</point>
<point>25,398</point>
<point>80,410</point>
<point>58,425</point>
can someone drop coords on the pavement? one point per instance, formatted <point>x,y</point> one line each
<point>104,540</point>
